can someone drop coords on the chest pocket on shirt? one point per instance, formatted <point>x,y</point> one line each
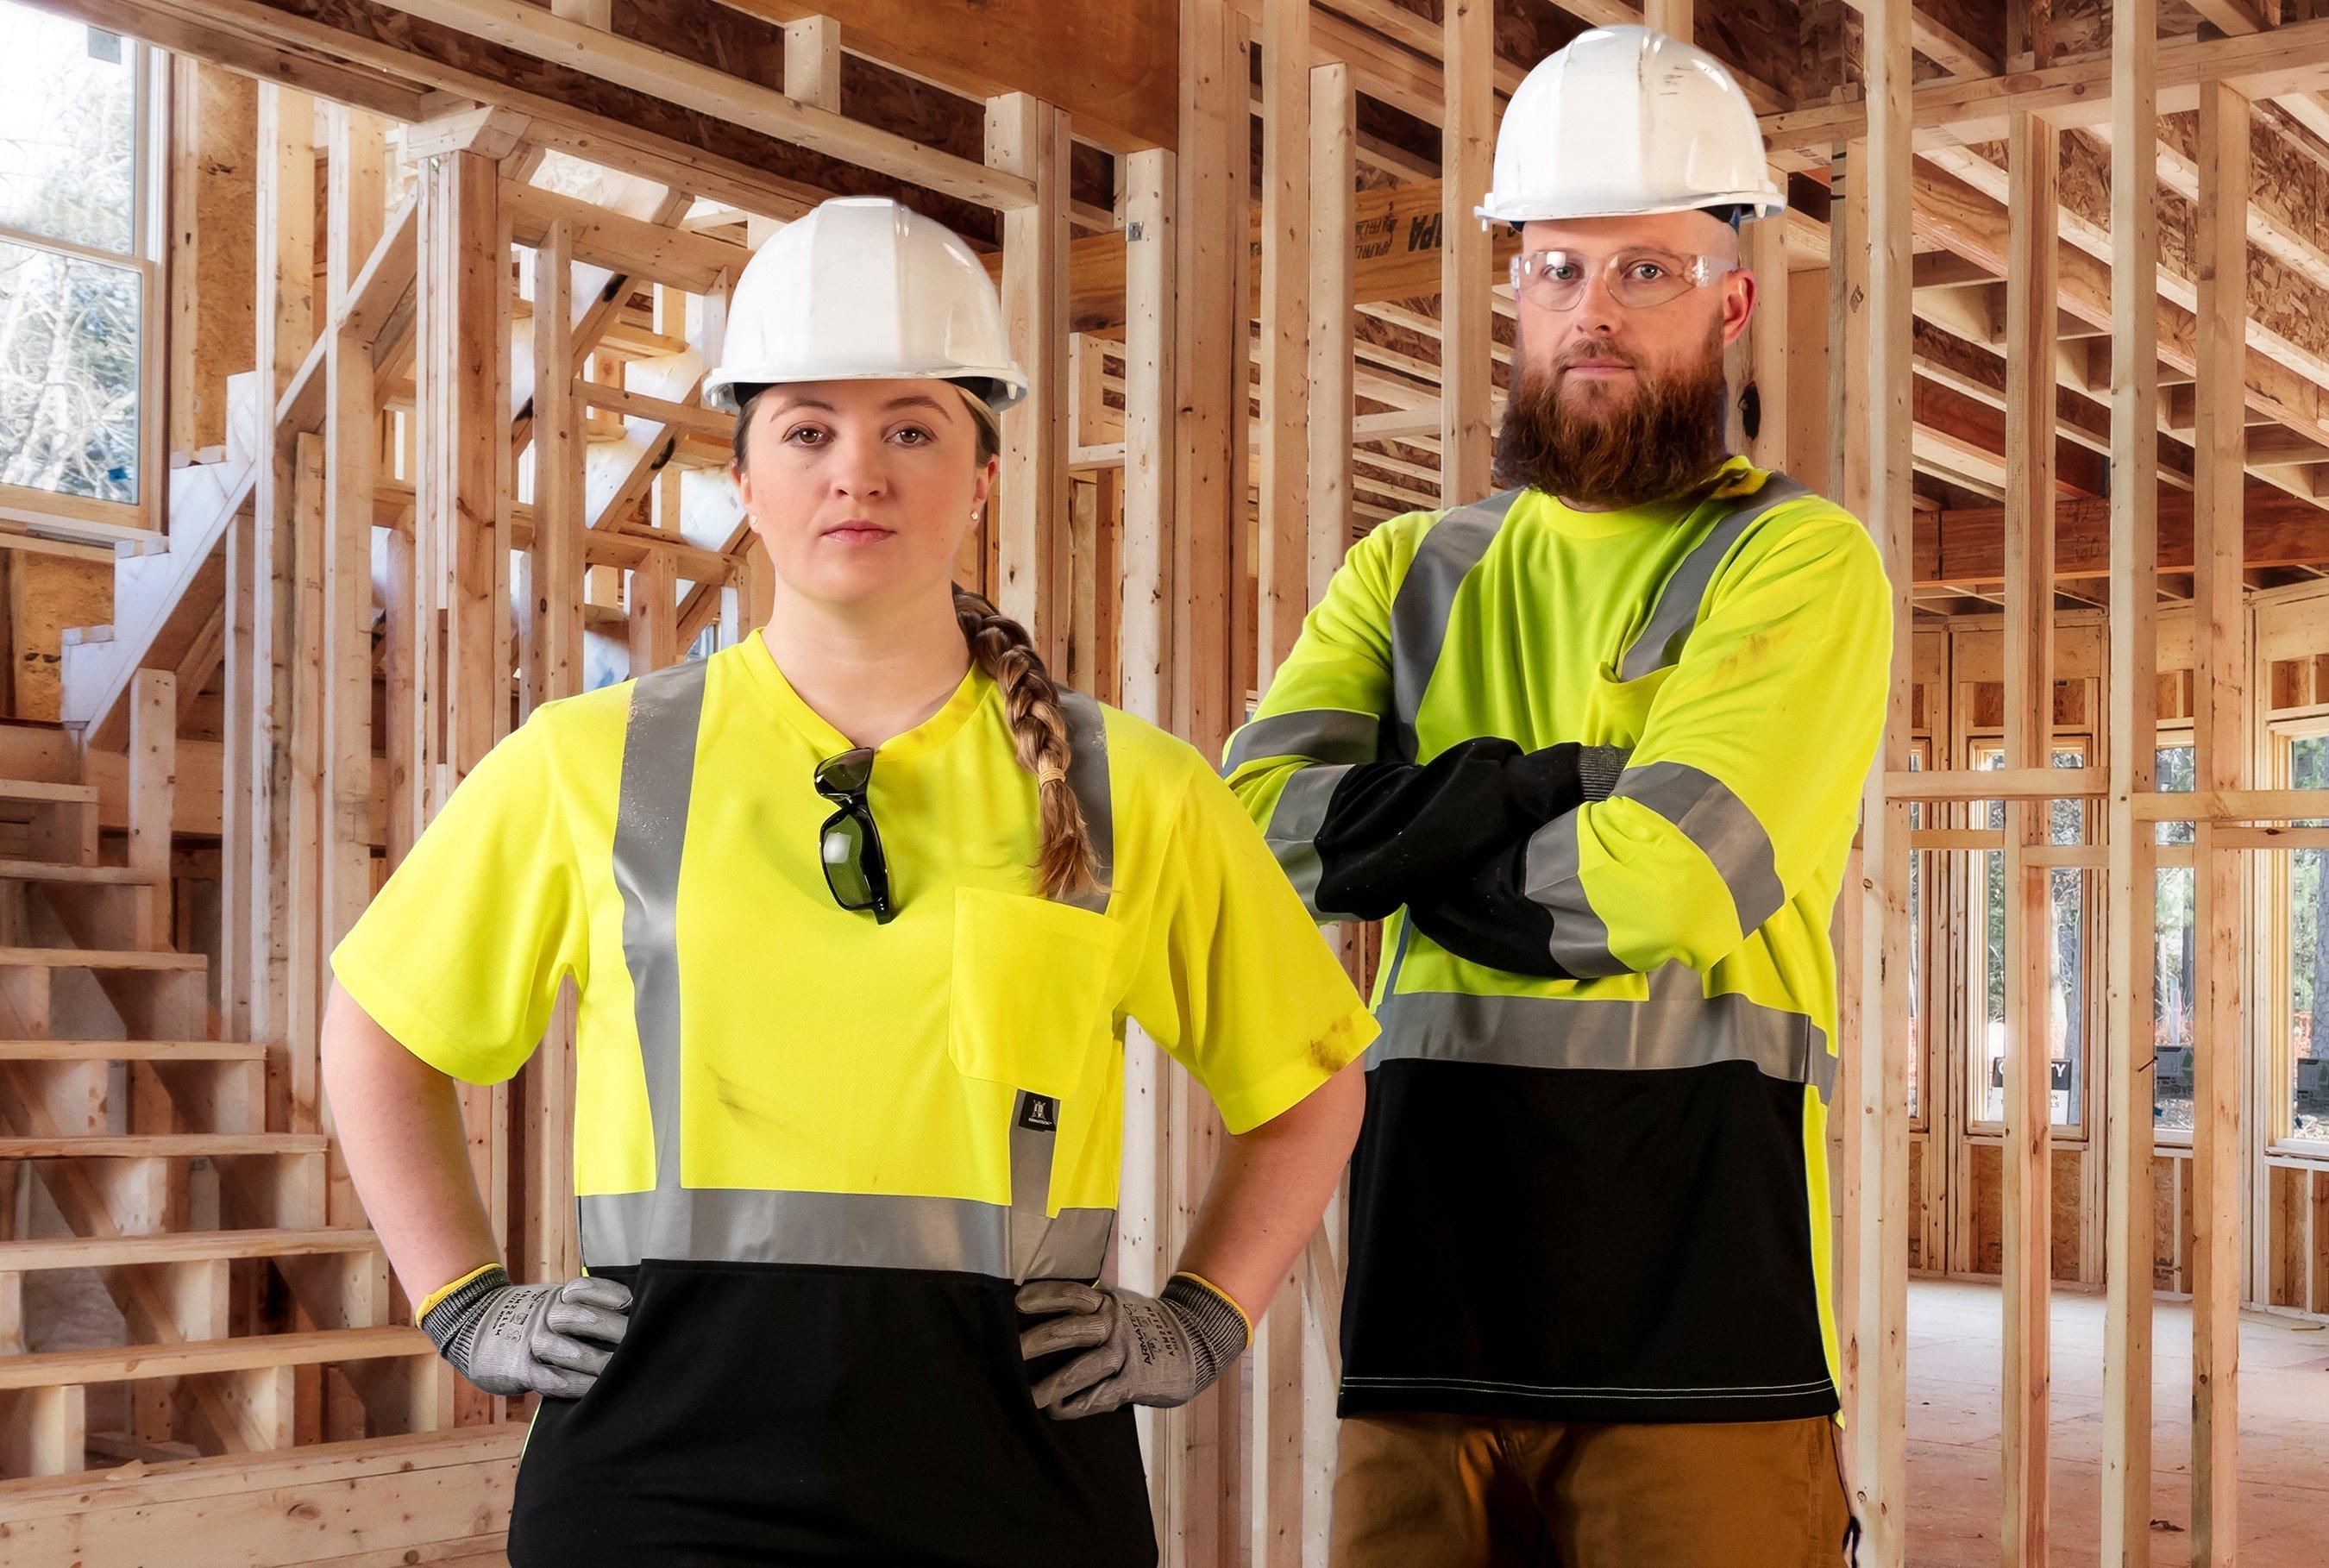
<point>1619,710</point>
<point>1033,989</point>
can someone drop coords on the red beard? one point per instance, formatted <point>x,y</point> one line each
<point>1601,447</point>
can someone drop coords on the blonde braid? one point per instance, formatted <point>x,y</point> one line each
<point>1000,645</point>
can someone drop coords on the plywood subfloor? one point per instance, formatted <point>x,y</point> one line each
<point>1954,1363</point>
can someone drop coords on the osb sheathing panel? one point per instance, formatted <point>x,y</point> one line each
<point>47,594</point>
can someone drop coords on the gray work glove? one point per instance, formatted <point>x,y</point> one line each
<point>529,1339</point>
<point>1161,1349</point>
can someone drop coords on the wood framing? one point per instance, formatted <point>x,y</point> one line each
<point>1467,149</point>
<point>2129,1081</point>
<point>1880,1167</point>
<point>2035,156</point>
<point>2050,319</point>
<point>2220,644</point>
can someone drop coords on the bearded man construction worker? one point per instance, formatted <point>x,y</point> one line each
<point>1592,746</point>
<point>857,908</point>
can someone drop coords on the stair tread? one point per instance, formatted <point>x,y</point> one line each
<point>60,872</point>
<point>41,789</point>
<point>160,1145</point>
<point>177,1247</point>
<point>131,1050</point>
<point>120,1362</point>
<point>101,958</point>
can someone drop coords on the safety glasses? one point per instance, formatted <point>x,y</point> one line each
<point>847,845</point>
<point>1637,279</point>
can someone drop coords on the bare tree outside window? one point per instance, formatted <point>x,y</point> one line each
<point>71,327</point>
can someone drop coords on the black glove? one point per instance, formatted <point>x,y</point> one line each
<point>1485,914</point>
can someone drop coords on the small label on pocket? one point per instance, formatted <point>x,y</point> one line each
<point>1039,1112</point>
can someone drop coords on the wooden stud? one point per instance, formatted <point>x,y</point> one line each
<point>1150,443</point>
<point>1028,137</point>
<point>1768,340</point>
<point>1282,558</point>
<point>2221,1056</point>
<point>1467,307</point>
<point>285,218</point>
<point>1880,1449</point>
<point>652,614</point>
<point>1209,228</point>
<point>1672,17</point>
<point>1333,136</point>
<point>2132,738</point>
<point>555,584</point>
<point>462,461</point>
<point>2034,159</point>
<point>153,787</point>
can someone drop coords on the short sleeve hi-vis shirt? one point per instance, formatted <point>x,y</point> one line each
<point>1592,1182</point>
<point>807,1130</point>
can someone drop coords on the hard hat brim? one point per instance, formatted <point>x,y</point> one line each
<point>1764,203</point>
<point>1002,386</point>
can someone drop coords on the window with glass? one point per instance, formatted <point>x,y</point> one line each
<point>77,283</point>
<point>2304,901</point>
<point>2065,1007</point>
<point>2173,1010</point>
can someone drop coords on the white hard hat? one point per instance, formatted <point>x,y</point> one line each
<point>1625,120</point>
<point>861,288</point>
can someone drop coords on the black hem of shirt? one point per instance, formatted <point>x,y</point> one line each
<point>1425,1397</point>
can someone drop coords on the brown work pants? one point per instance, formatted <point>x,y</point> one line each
<point>1448,1491</point>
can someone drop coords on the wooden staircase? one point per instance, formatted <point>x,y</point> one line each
<point>217,1311</point>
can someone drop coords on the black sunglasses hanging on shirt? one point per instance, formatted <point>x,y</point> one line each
<point>848,847</point>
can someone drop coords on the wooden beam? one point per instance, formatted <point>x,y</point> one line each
<point>2027,1250</point>
<point>2219,649</point>
<point>1966,544</point>
<point>514,24</point>
<point>1468,146</point>
<point>1951,111</point>
<point>1880,1443</point>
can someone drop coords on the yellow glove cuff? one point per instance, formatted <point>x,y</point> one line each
<point>1201,1279</point>
<point>447,1289</point>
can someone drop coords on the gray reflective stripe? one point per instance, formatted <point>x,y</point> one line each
<point>1088,775</point>
<point>1675,1027</point>
<point>1718,822</point>
<point>1293,831</point>
<point>1426,595</point>
<point>1581,940</point>
<point>1676,611</point>
<point>650,829</point>
<point>1320,734</point>
<point>835,1229</point>
<point>1016,1241</point>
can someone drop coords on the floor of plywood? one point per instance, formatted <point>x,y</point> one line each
<point>1954,1377</point>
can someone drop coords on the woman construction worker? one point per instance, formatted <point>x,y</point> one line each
<point>857,910</point>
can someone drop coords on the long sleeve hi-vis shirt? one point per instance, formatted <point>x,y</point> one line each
<point>1601,772</point>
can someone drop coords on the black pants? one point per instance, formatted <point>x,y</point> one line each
<point>766,1413</point>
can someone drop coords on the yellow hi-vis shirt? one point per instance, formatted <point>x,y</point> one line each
<point>865,1132</point>
<point>1646,1099</point>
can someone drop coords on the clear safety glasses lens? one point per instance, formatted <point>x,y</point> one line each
<point>1637,279</point>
